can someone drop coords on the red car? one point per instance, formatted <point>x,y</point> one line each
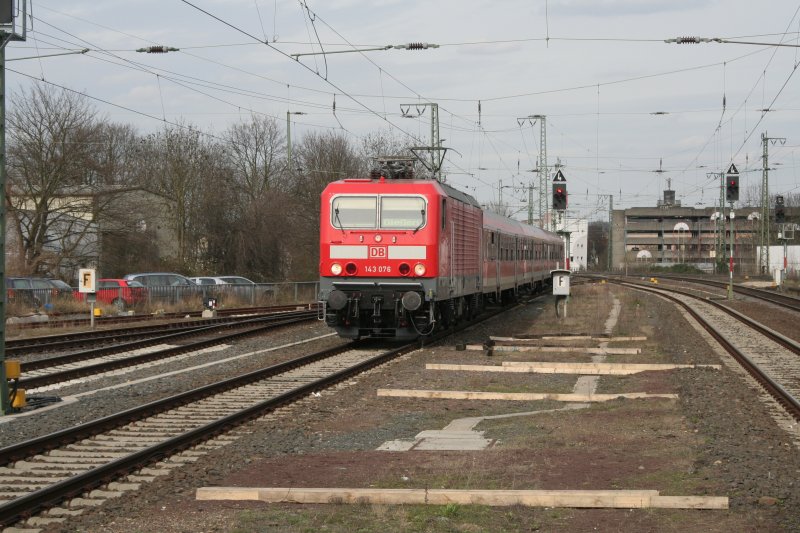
<point>118,292</point>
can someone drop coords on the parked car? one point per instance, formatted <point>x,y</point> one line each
<point>33,292</point>
<point>250,290</point>
<point>121,293</point>
<point>167,286</point>
<point>208,280</point>
<point>63,288</point>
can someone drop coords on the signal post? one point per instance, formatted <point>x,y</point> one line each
<point>560,208</point>
<point>785,234</point>
<point>731,195</point>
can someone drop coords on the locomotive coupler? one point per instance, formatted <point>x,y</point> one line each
<point>377,303</point>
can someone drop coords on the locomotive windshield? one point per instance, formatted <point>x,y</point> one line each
<point>399,212</point>
<point>364,212</point>
<point>354,212</point>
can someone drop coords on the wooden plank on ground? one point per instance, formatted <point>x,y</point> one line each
<point>586,369</point>
<point>625,499</point>
<point>533,340</point>
<point>517,396</point>
<point>558,349</point>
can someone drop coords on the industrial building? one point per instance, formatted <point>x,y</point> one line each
<point>669,234</point>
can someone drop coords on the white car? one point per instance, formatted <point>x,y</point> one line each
<point>208,280</point>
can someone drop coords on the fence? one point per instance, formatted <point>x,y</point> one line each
<point>150,299</point>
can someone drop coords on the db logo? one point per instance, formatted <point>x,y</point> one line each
<point>377,252</point>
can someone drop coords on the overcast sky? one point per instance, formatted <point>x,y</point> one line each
<point>620,103</point>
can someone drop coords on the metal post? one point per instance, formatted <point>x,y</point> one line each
<point>288,140</point>
<point>763,255</point>
<point>91,315</point>
<point>730,277</point>
<point>610,227</point>
<point>785,260</point>
<point>530,204</point>
<point>5,400</point>
<point>720,240</point>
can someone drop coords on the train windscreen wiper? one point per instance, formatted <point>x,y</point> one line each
<point>421,223</point>
<point>337,219</point>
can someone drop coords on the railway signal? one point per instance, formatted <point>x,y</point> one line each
<point>559,192</point>
<point>780,213</point>
<point>732,184</point>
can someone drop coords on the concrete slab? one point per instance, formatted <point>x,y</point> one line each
<point>453,445</point>
<point>396,446</point>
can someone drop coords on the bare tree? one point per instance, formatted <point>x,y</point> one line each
<point>255,150</point>
<point>380,144</point>
<point>323,158</point>
<point>50,191</point>
<point>176,163</point>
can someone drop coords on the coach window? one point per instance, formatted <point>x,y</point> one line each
<point>354,212</point>
<point>402,212</point>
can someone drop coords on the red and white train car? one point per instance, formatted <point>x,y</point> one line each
<point>399,257</point>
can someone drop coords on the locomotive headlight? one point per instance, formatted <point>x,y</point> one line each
<point>404,269</point>
<point>378,238</point>
<point>336,269</point>
<point>419,269</point>
<point>350,269</point>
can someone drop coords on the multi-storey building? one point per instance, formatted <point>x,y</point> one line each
<point>670,234</point>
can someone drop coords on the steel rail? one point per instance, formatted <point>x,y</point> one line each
<point>774,389</point>
<point>59,323</point>
<point>105,366</point>
<point>783,300</point>
<point>185,331</point>
<point>48,496</point>
<point>21,347</point>
<point>51,495</point>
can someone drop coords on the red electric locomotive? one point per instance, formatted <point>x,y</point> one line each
<point>400,256</point>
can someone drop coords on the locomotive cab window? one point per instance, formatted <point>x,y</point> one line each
<point>402,212</point>
<point>354,212</point>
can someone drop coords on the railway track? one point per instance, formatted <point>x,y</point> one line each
<point>60,321</point>
<point>18,348</point>
<point>116,452</point>
<point>64,368</point>
<point>783,300</point>
<point>771,358</point>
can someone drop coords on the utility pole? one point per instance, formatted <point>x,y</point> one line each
<point>7,34</point>
<point>763,255</point>
<point>544,206</point>
<point>289,138</point>
<point>435,150</point>
<point>530,204</point>
<point>610,227</point>
<point>719,243</point>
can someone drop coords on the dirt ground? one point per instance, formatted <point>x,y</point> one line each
<point>715,439</point>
